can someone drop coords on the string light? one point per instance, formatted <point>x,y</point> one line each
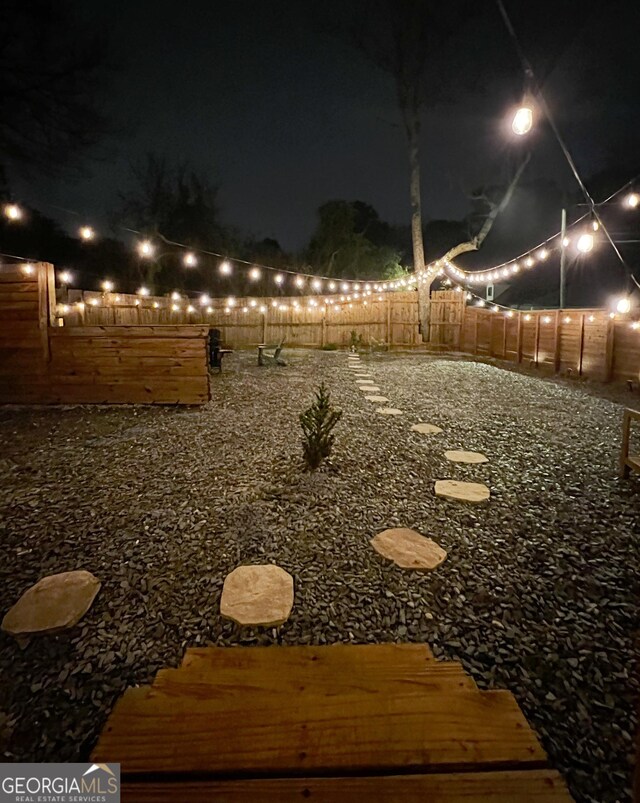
<point>80,305</point>
<point>146,249</point>
<point>65,277</point>
<point>13,212</point>
<point>175,296</point>
<point>332,286</point>
<point>316,284</point>
<point>299,282</point>
<point>190,260</point>
<point>204,300</point>
<point>209,310</point>
<point>254,274</point>
<point>547,319</point>
<point>543,254</point>
<point>155,305</point>
<point>107,286</point>
<point>522,121</point>
<point>143,291</point>
<point>632,200</point>
<point>585,243</point>
<point>86,233</point>
<point>28,268</point>
<point>175,307</point>
<point>278,278</point>
<point>623,306</point>
<point>231,301</point>
<point>191,308</point>
<point>226,268</point>
<point>94,302</point>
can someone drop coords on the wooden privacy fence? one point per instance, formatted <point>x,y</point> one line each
<point>92,364</point>
<point>582,342</point>
<point>392,320</point>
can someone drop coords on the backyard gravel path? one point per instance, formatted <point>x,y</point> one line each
<point>536,594</point>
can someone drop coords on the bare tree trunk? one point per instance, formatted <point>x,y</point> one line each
<point>412,126</point>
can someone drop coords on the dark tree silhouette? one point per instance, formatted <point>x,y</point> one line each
<point>52,72</point>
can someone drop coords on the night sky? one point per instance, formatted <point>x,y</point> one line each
<point>285,117</point>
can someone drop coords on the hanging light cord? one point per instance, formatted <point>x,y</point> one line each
<point>528,70</point>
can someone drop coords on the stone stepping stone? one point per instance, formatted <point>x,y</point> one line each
<point>426,429</point>
<point>54,603</point>
<point>388,410</point>
<point>369,375</point>
<point>257,596</point>
<point>376,398</point>
<point>462,491</point>
<point>369,388</point>
<point>408,549</point>
<point>364,381</point>
<point>465,457</point>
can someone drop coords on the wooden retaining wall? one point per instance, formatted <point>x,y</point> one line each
<point>102,364</point>
<point>392,321</point>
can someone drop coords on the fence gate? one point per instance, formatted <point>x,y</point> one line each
<point>447,316</point>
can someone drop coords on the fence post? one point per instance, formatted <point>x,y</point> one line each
<point>536,344</point>
<point>264,327</point>
<point>581,345</point>
<point>323,334</point>
<point>475,331</point>
<point>519,339</point>
<point>611,331</point>
<point>556,343</point>
<point>389,329</point>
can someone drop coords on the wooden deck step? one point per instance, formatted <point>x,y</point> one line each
<point>290,722</point>
<point>535,786</point>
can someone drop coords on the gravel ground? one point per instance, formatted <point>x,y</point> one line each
<point>537,594</point>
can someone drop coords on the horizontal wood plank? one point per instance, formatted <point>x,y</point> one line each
<point>533,786</point>
<point>149,731</point>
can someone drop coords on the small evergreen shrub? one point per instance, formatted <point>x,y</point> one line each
<point>317,427</point>
<point>356,339</point>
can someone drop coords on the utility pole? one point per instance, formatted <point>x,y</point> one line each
<point>563,278</point>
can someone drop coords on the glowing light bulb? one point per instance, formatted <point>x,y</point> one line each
<point>231,302</point>
<point>65,277</point>
<point>107,286</point>
<point>254,274</point>
<point>567,319</point>
<point>226,268</point>
<point>94,302</point>
<point>542,254</point>
<point>316,284</point>
<point>623,305</point>
<point>527,317</point>
<point>529,262</point>
<point>80,305</point>
<point>263,309</point>
<point>299,281</point>
<point>344,287</point>
<point>143,291</point>
<point>480,302</point>
<point>547,319</point>
<point>591,318</point>
<point>65,309</point>
<point>191,308</point>
<point>585,243</point>
<point>278,278</point>
<point>632,200</point>
<point>522,121</point>
<point>253,303</point>
<point>204,300</point>
<point>175,296</point>
<point>189,260</point>
<point>566,242</point>
<point>332,286</point>
<point>175,307</point>
<point>595,225</point>
<point>510,314</point>
<point>209,310</point>
<point>86,233</point>
<point>28,269</point>
<point>13,212</point>
<point>146,249</point>
<point>635,325</point>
